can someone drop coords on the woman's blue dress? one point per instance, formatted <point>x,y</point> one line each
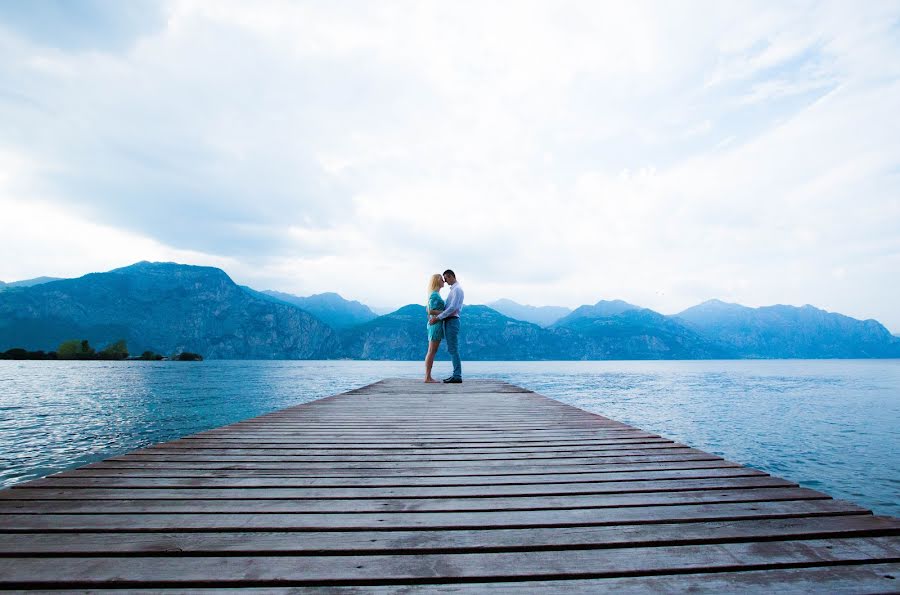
<point>435,331</point>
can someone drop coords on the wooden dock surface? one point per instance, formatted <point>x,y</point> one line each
<point>405,487</point>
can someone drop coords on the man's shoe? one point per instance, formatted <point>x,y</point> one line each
<point>453,381</point>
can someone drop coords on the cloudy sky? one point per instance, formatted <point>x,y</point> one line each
<point>551,152</point>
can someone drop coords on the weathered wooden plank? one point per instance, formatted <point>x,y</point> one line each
<point>170,493</point>
<point>406,445</point>
<point>246,454</point>
<point>536,422</point>
<point>288,470</point>
<point>437,439</point>
<point>80,480</point>
<point>401,464</point>
<point>433,417</point>
<point>448,427</point>
<point>493,459</point>
<point>418,432</point>
<point>272,505</point>
<point>307,415</point>
<point>568,430</point>
<point>335,419</point>
<point>447,541</point>
<point>427,520</point>
<point>313,570</point>
<point>408,451</point>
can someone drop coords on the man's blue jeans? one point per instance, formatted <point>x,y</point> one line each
<point>451,333</point>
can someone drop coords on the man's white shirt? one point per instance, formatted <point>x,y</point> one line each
<point>454,302</point>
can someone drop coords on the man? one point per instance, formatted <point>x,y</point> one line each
<point>450,319</point>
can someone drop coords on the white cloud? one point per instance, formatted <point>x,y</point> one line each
<point>550,152</point>
<point>38,238</point>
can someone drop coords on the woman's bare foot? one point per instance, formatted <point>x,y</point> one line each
<point>430,381</point>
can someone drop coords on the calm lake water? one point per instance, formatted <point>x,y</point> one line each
<point>832,425</point>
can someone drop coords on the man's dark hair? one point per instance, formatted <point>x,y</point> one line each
<point>450,272</point>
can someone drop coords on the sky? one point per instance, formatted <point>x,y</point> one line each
<point>554,153</point>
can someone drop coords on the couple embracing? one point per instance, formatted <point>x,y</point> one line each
<point>443,322</point>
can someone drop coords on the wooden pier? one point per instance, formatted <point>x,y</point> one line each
<point>405,487</point>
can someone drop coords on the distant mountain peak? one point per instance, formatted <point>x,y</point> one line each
<point>507,301</point>
<point>713,306</point>
<point>329,307</point>
<point>333,297</point>
<point>145,266</point>
<point>540,315</point>
<point>602,309</point>
<point>615,304</point>
<point>29,282</point>
<point>716,302</point>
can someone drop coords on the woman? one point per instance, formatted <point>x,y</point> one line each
<point>434,306</point>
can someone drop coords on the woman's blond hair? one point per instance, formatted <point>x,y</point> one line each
<point>434,284</point>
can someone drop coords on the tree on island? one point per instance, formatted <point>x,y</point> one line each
<point>117,350</point>
<point>81,349</point>
<point>75,349</point>
<point>15,353</point>
<point>18,353</point>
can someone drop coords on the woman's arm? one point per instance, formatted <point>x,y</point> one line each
<point>435,305</point>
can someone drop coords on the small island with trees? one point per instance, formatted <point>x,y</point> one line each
<point>81,349</point>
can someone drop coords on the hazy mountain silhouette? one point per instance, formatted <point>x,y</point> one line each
<point>789,332</point>
<point>330,308</point>
<point>628,332</point>
<point>540,315</point>
<point>602,309</point>
<point>27,282</point>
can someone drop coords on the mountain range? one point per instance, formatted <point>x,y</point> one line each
<point>330,308</point>
<point>27,282</point>
<point>169,308</point>
<point>540,315</point>
<point>165,308</point>
<point>789,332</point>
